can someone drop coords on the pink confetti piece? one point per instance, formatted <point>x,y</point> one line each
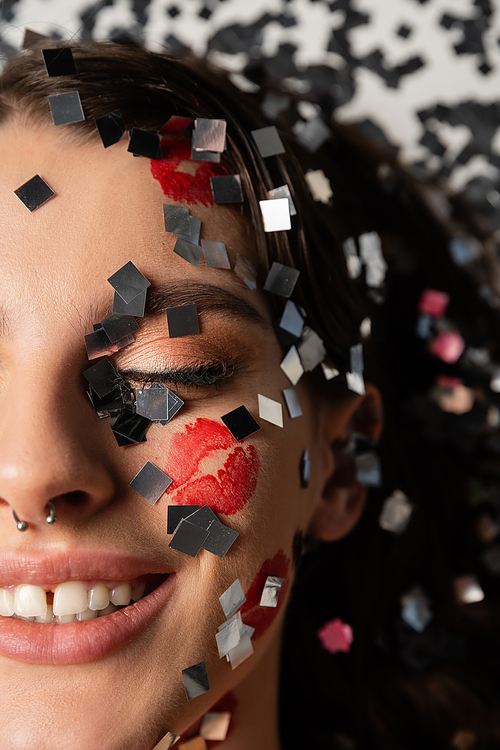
<point>433,303</point>
<point>448,346</point>
<point>336,636</point>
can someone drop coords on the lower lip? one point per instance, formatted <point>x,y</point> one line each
<point>78,643</point>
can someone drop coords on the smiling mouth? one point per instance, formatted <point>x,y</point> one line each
<point>74,601</point>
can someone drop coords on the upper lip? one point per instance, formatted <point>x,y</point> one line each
<point>82,565</point>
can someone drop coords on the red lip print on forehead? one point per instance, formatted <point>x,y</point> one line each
<point>234,485</point>
<point>181,186</point>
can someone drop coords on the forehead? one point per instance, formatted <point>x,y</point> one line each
<point>107,210</point>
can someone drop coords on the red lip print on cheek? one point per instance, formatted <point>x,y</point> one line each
<point>181,186</point>
<point>257,617</point>
<point>234,485</point>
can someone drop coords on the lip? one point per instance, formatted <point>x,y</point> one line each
<point>82,642</point>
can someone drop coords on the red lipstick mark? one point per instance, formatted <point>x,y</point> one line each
<point>181,186</point>
<point>229,491</point>
<point>257,617</point>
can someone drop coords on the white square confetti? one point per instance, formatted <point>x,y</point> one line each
<point>270,410</point>
<point>276,214</point>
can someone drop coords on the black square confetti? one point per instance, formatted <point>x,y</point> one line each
<point>173,11</point>
<point>111,127</point>
<point>188,538</point>
<point>268,141</point>
<point>404,31</point>
<point>131,426</point>
<point>66,108</point>
<point>205,13</point>
<point>34,193</point>
<point>135,308</point>
<point>157,402</point>
<point>182,321</point>
<point>240,423</point>
<point>145,143</point>
<point>102,377</point>
<point>150,482</point>
<point>129,282</point>
<point>111,401</point>
<point>281,279</point>
<point>195,680</point>
<point>118,327</point>
<point>176,513</point>
<point>59,62</point>
<point>227,188</point>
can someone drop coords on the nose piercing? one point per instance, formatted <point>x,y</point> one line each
<point>23,525</point>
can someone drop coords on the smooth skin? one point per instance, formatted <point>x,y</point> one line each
<point>54,265</point>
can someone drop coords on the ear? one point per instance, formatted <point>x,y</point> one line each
<point>343,497</point>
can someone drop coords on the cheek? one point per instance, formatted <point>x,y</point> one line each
<point>181,186</point>
<point>232,487</point>
<point>258,617</point>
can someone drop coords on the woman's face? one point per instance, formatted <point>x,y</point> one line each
<point>116,681</point>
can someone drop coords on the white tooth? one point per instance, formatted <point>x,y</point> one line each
<point>109,610</point>
<point>26,619</point>
<point>48,617</point>
<point>138,593</point>
<point>6,603</point>
<point>98,596</point>
<point>64,619</point>
<point>30,601</point>
<point>89,614</point>
<point>70,598</point>
<point>121,594</point>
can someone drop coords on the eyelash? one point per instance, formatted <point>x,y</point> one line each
<point>193,376</point>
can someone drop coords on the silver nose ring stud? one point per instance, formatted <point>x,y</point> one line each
<point>23,525</point>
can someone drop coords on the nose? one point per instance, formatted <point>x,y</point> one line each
<point>50,451</point>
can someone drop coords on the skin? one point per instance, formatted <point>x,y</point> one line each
<point>53,269</point>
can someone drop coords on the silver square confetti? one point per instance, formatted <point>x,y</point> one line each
<point>188,251</point>
<point>396,513</point>
<point>246,270</point>
<point>215,254</point>
<point>284,192</point>
<point>276,215</point>
<point>416,611</point>
<point>353,261</point>
<point>356,358</point>
<point>220,539</point>
<point>292,366</point>
<point>311,349</point>
<point>292,402</point>
<point>368,470</point>
<point>281,279</point>
<point>129,282</point>
<point>150,482</point>
<point>313,134</point>
<point>176,220</point>
<point>232,599</point>
<point>209,135</point>
<point>370,250</point>
<point>215,725</point>
<point>268,141</point>
<point>468,590</point>
<point>271,592</point>
<point>167,741</point>
<point>117,327</point>
<point>329,372</point>
<point>66,108</point>
<point>291,320</point>
<point>158,403</point>
<point>228,637</point>
<point>270,410</point>
<point>188,538</point>
<point>319,185</point>
<point>241,652</point>
<point>135,308</point>
<point>355,382</point>
<point>195,680</point>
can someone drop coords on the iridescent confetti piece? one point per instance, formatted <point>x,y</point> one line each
<point>270,410</point>
<point>462,250</point>
<point>150,482</point>
<point>59,62</point>
<point>145,143</point>
<point>291,320</point>
<point>396,513</point>
<point>292,366</point>
<point>182,321</point>
<point>284,192</point>
<point>157,402</point>
<point>167,742</point>
<point>416,611</point>
<point>268,141</point>
<point>246,270</point>
<point>336,636</point>
<point>319,185</point>
<point>468,590</point>
<point>311,349</point>
<point>135,308</point>
<point>111,127</point>
<point>240,423</point>
<point>356,358</point>
<point>329,372</point>
<point>130,428</point>
<point>175,514</point>
<point>228,637</point>
<point>305,469</point>
<point>215,725</point>
<point>271,592</point>
<point>448,346</point>
<point>119,326</point>
<point>232,599</point>
<point>368,469</point>
<point>292,402</point>
<point>215,254</point>
<point>276,215</point>
<point>188,538</point>
<point>66,108</point>
<point>128,282</point>
<point>370,250</point>
<point>34,193</point>
<point>351,256</point>
<point>227,189</point>
<point>188,251</point>
<point>313,134</point>
<point>195,680</point>
<point>433,303</point>
<point>102,377</point>
<point>355,382</point>
<point>241,652</point>
<point>281,279</point>
<point>209,135</point>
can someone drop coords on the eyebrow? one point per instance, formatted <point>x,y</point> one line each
<point>208,298</point>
